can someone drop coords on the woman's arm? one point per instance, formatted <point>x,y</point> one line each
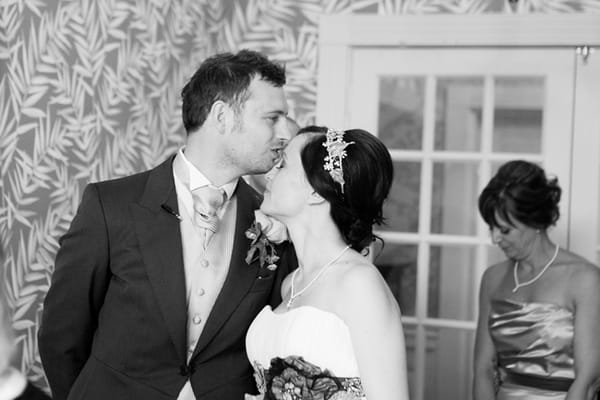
<point>485,354</point>
<point>373,317</point>
<point>585,287</point>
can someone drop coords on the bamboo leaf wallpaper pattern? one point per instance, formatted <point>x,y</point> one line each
<point>90,91</point>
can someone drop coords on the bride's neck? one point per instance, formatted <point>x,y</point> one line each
<point>315,244</point>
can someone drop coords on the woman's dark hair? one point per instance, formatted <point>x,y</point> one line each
<point>521,191</point>
<point>368,175</point>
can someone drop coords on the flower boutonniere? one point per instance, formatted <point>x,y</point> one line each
<point>265,232</point>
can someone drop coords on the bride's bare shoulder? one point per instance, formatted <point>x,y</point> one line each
<point>361,276</point>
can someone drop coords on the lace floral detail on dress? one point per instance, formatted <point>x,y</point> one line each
<point>259,377</point>
<point>354,386</point>
<point>293,378</point>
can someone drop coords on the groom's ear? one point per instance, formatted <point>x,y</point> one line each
<point>222,115</point>
<point>315,198</point>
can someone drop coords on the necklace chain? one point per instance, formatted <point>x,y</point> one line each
<point>313,280</point>
<point>535,278</point>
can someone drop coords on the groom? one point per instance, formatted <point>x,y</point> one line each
<point>151,297</point>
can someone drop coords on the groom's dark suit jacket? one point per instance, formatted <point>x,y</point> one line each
<point>114,321</point>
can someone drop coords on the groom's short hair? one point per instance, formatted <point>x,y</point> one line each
<point>225,77</point>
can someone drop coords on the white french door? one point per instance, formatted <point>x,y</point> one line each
<point>450,116</point>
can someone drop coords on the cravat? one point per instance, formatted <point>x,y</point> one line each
<point>207,201</point>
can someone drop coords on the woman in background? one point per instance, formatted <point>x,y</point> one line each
<point>538,330</point>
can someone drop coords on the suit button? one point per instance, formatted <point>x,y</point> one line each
<point>187,370</point>
<point>183,370</point>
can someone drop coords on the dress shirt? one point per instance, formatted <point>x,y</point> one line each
<point>205,269</point>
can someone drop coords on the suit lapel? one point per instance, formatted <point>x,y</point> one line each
<point>241,276</point>
<point>159,238</point>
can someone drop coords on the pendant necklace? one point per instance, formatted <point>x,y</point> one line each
<point>535,278</point>
<point>323,268</point>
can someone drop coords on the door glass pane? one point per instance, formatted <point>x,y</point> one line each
<point>451,287</point>
<point>398,265</point>
<point>401,209</point>
<point>459,102</point>
<point>448,363</point>
<point>454,198</point>
<point>518,114</point>
<point>401,100</point>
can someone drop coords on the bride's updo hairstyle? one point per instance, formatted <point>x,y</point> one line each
<point>520,190</point>
<point>357,202</point>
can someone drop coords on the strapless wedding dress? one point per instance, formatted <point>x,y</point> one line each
<point>303,351</point>
<point>534,346</point>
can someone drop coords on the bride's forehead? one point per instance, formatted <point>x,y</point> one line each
<point>296,144</point>
<point>299,141</point>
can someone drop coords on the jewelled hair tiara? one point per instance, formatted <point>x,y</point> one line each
<point>336,152</point>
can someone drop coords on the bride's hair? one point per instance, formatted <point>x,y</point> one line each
<point>368,173</point>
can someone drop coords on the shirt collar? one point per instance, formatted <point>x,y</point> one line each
<point>198,179</point>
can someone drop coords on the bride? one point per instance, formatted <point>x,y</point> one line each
<point>337,334</point>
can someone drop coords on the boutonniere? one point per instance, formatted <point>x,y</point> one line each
<point>265,232</point>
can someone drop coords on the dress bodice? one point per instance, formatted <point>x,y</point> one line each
<point>320,337</point>
<point>304,344</point>
<point>533,340</point>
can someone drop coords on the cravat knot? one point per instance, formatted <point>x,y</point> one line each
<point>207,202</point>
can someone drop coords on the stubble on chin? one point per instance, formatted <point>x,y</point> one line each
<point>266,165</point>
<point>261,170</point>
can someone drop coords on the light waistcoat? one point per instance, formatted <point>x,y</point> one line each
<point>205,269</point>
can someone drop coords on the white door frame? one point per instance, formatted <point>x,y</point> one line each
<point>339,34</point>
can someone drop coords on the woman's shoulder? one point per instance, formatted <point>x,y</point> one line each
<point>359,284</point>
<point>494,273</point>
<point>575,262</point>
<point>358,273</point>
<point>582,274</point>
<point>364,299</point>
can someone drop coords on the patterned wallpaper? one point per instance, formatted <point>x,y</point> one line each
<point>90,90</point>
